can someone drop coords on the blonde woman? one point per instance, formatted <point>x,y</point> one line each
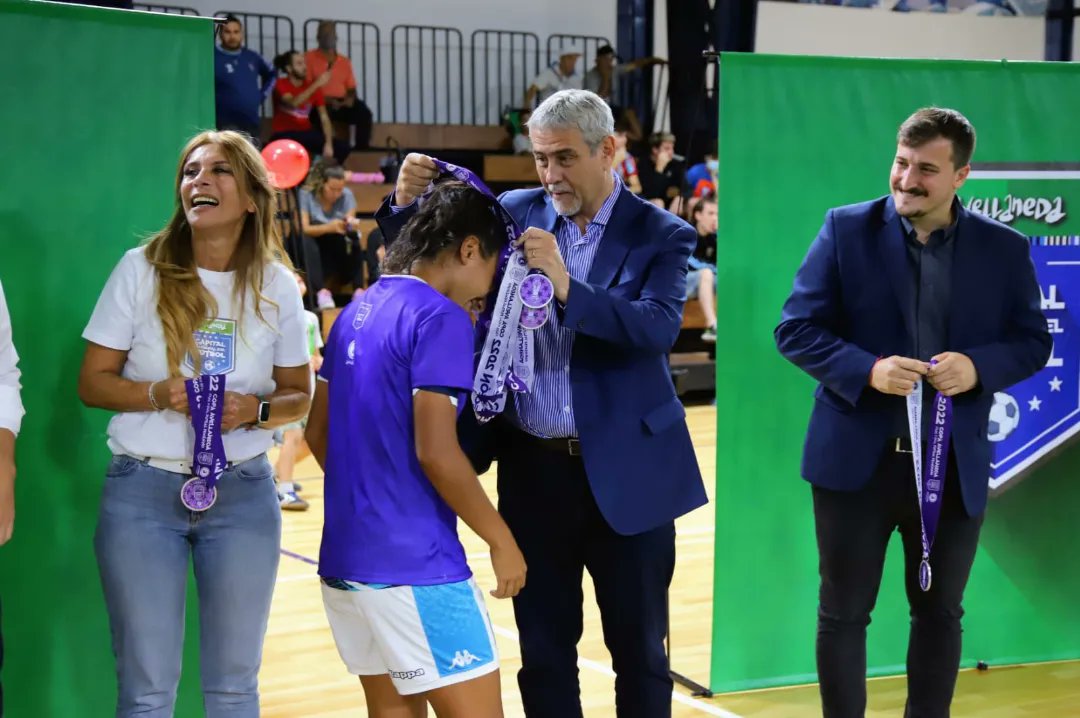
<point>208,294</point>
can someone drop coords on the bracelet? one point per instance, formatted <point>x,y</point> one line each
<point>150,394</point>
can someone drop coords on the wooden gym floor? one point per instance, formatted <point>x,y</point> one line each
<point>302,675</point>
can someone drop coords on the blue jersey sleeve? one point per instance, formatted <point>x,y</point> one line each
<point>443,351</point>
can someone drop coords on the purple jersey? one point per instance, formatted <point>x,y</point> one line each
<point>384,521</point>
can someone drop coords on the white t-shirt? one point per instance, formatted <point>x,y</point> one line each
<point>549,81</point>
<point>246,352</point>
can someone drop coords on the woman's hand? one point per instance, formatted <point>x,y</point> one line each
<point>172,394</point>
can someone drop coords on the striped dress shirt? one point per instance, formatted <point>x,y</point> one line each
<point>548,410</point>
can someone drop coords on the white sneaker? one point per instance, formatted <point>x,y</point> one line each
<point>325,299</point>
<point>291,502</point>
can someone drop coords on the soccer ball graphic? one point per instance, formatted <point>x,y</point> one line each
<point>1004,417</point>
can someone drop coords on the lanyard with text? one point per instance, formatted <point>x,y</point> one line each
<point>507,325</point>
<point>206,401</point>
<point>929,485</point>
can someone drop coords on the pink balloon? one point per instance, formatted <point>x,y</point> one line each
<point>287,162</point>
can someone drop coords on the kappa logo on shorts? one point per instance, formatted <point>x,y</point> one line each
<point>407,675</point>
<point>463,659</point>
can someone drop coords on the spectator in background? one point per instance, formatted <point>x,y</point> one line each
<point>328,215</point>
<point>605,79</point>
<point>11,414</point>
<point>624,163</point>
<point>295,98</point>
<point>340,91</point>
<point>242,81</point>
<point>702,177</point>
<point>662,177</point>
<point>560,75</point>
<point>290,437</point>
<point>701,274</point>
<point>521,143</point>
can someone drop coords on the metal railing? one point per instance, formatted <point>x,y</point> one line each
<point>429,80</point>
<point>502,63</point>
<point>588,44</point>
<point>268,35</point>
<point>167,9</point>
<point>432,91</point>
<point>363,47</point>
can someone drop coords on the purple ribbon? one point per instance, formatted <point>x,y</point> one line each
<point>206,402</point>
<point>500,327</point>
<point>929,477</point>
<point>513,232</point>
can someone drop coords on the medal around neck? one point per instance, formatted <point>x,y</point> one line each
<point>206,399</point>
<point>500,328</point>
<point>929,470</point>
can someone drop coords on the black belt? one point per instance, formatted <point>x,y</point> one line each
<point>567,447</point>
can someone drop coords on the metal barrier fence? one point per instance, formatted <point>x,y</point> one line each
<point>502,64</point>
<point>431,93</point>
<point>167,9</point>
<point>435,77</point>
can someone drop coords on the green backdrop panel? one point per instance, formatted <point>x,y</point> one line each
<point>102,103</point>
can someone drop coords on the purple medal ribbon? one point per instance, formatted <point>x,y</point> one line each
<point>206,401</point>
<point>929,480</point>
<point>519,302</point>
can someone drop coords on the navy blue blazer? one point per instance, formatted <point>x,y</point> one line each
<point>851,304</point>
<point>634,439</point>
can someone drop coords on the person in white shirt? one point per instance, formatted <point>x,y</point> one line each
<point>560,75</point>
<point>11,414</point>
<point>209,294</point>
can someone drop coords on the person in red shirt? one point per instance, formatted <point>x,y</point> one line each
<point>296,100</point>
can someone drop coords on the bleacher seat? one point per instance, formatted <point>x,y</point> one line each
<point>510,168</point>
<point>446,137</point>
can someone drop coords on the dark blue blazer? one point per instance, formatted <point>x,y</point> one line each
<point>634,439</point>
<point>851,304</point>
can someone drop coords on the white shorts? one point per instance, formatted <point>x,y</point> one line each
<point>424,637</point>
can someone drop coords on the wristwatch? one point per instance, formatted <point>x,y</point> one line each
<point>264,411</point>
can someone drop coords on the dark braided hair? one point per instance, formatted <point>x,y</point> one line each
<point>452,212</point>
<point>281,62</point>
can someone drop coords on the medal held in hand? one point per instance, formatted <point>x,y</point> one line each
<point>206,400</point>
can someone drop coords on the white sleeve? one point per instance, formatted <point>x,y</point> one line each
<point>112,324</point>
<point>290,349</point>
<point>11,407</point>
<point>543,81</point>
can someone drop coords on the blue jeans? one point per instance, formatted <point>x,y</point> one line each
<point>144,539</point>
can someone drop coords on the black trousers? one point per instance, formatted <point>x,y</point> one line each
<point>359,115</point>
<point>313,141</point>
<point>340,259</point>
<point>545,498</point>
<point>853,532</point>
